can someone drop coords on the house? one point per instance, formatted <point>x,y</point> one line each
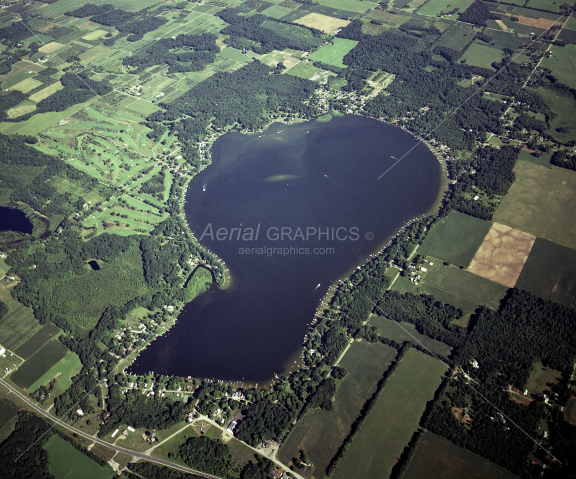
<point>231,426</point>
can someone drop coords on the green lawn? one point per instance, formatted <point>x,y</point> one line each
<point>333,54</point>
<point>67,462</point>
<point>394,419</point>
<point>455,239</point>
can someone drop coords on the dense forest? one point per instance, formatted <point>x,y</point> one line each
<point>478,13</point>
<point>36,190</point>
<point>248,32</point>
<point>488,435</point>
<point>526,329</point>
<point>431,317</point>
<point>125,22</point>
<point>199,51</point>
<point>78,88</point>
<point>245,97</point>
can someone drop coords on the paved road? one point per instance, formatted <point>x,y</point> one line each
<point>138,455</point>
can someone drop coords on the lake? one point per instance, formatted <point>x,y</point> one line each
<point>287,210</point>
<point>12,219</point>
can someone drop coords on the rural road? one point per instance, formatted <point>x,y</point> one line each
<point>139,455</point>
<point>135,454</point>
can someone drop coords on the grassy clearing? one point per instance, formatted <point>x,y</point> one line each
<point>324,23</point>
<point>537,203</point>
<point>570,411</point>
<point>397,411</point>
<point>438,458</point>
<point>563,64</point>
<point>46,357</point>
<point>26,85</point>
<point>320,433</point>
<point>455,239</point>
<point>66,461</point>
<point>46,92</point>
<point>407,332</point>
<point>457,37</point>
<point>459,287</point>
<point>480,55</point>
<point>565,109</point>
<point>549,273</point>
<point>348,5</point>
<point>435,7</point>
<point>64,370</point>
<point>333,54</point>
<point>542,378</point>
<point>17,327</point>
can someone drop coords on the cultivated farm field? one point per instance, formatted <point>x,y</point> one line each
<point>66,461</point>
<point>320,433</point>
<point>333,54</point>
<point>549,273</point>
<point>539,203</point>
<point>438,458</point>
<point>407,332</point>
<point>46,357</point>
<point>455,239</point>
<point>397,411</point>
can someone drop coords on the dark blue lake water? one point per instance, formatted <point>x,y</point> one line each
<point>312,190</point>
<point>12,219</point>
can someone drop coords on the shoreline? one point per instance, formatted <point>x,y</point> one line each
<point>227,279</point>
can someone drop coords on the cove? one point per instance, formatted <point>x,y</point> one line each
<point>311,192</point>
<point>12,219</point>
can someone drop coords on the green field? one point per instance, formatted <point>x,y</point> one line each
<point>394,419</point>
<point>564,107</point>
<point>320,433</point>
<point>459,288</point>
<point>8,411</point>
<point>481,55</point>
<point>438,458</point>
<point>333,54</point>
<point>47,332</point>
<point>434,7</point>
<point>63,370</point>
<point>455,239</point>
<point>46,357</point>
<point>542,378</point>
<point>537,203</point>
<point>457,37</point>
<point>407,332</point>
<point>549,273</point>
<point>348,5</point>
<point>17,327</point>
<point>542,160</point>
<point>570,411</point>
<point>562,64</point>
<point>68,462</point>
<point>304,70</point>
